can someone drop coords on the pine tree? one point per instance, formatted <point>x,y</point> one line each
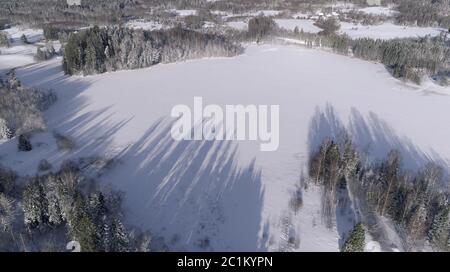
<point>417,223</point>
<point>356,240</point>
<point>6,212</point>
<point>440,228</point>
<point>81,227</point>
<point>24,144</point>
<point>24,39</point>
<point>119,237</point>
<point>7,180</point>
<point>35,204</point>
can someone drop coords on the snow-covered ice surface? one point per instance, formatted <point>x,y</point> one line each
<point>387,31</point>
<point>291,24</point>
<point>206,195</point>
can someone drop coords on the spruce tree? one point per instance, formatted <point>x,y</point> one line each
<point>24,144</point>
<point>119,237</point>
<point>24,39</point>
<point>35,204</point>
<point>440,228</point>
<point>356,240</point>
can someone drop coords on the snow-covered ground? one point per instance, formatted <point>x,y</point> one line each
<point>268,13</point>
<point>383,31</point>
<point>15,34</point>
<point>19,54</point>
<point>387,31</point>
<point>239,25</point>
<point>305,24</point>
<point>184,12</point>
<point>144,25</point>
<point>386,11</point>
<point>219,195</point>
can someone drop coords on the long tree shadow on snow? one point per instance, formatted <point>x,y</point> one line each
<point>375,139</point>
<point>193,193</point>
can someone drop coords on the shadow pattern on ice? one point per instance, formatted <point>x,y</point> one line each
<point>192,192</point>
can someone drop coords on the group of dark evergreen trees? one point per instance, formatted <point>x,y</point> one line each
<point>259,27</point>
<point>54,32</point>
<point>62,207</point>
<point>418,202</point>
<point>424,12</point>
<point>98,50</point>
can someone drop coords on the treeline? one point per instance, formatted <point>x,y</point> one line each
<point>418,202</point>
<point>54,32</point>
<point>37,13</point>
<point>424,12</point>
<point>21,108</point>
<point>410,58</point>
<point>52,209</point>
<point>98,50</point>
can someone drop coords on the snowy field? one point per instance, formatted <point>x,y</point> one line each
<point>387,31</point>
<point>206,195</point>
<point>19,54</point>
<point>144,25</point>
<point>384,31</point>
<point>183,12</point>
<point>386,11</point>
<point>305,24</point>
<point>239,25</point>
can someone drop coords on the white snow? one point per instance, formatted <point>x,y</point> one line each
<point>229,196</point>
<point>387,31</point>
<point>221,13</point>
<point>239,25</point>
<point>305,24</point>
<point>144,25</point>
<point>19,54</point>
<point>184,12</point>
<point>268,13</point>
<point>386,11</point>
<point>15,33</point>
<point>383,31</point>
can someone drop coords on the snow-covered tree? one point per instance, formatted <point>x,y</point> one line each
<point>119,238</point>
<point>439,232</point>
<point>35,204</point>
<point>5,132</point>
<point>356,240</point>
<point>329,26</point>
<point>7,180</point>
<point>7,212</point>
